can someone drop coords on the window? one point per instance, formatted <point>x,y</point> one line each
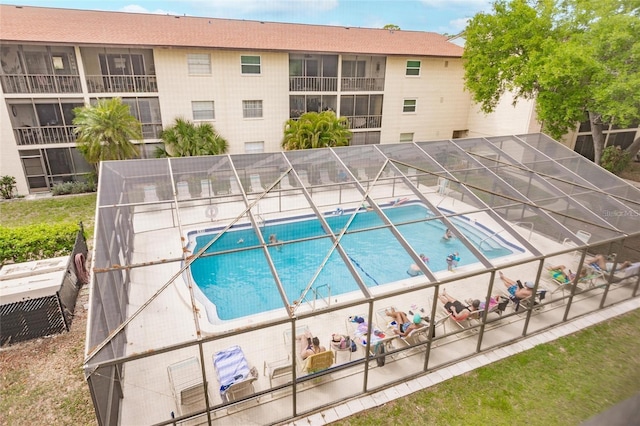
<point>406,137</point>
<point>413,68</point>
<point>252,109</point>
<point>250,64</point>
<point>199,63</point>
<point>203,110</point>
<point>409,105</point>
<point>253,147</point>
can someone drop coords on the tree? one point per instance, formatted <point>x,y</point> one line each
<point>186,139</point>
<point>105,131</point>
<point>316,130</point>
<point>392,27</point>
<point>576,58</point>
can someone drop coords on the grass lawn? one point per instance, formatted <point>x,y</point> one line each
<point>560,383</point>
<point>68,208</point>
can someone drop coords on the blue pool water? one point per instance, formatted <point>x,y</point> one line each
<point>241,283</point>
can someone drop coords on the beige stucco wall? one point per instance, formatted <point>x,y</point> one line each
<point>441,103</point>
<point>10,164</point>
<point>227,87</point>
<point>507,119</point>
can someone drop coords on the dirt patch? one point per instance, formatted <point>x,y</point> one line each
<point>42,379</point>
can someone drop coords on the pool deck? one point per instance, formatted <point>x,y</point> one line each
<point>168,319</point>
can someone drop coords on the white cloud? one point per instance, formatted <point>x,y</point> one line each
<point>467,4</point>
<point>252,6</point>
<point>457,25</point>
<point>134,8</point>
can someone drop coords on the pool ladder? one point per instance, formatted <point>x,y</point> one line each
<point>317,296</point>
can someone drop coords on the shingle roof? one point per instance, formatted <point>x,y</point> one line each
<point>49,25</point>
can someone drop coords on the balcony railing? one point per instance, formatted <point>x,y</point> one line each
<point>362,84</point>
<point>365,121</point>
<point>44,135</point>
<point>313,84</point>
<point>41,83</point>
<point>122,83</point>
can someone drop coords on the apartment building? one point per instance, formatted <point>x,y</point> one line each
<point>246,78</point>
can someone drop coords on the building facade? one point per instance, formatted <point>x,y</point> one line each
<point>246,78</point>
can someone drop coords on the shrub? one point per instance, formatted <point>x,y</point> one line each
<point>614,159</point>
<point>36,242</point>
<point>7,186</point>
<point>73,188</point>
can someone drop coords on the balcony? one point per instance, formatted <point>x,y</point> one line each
<point>313,84</point>
<point>44,135</point>
<point>41,83</point>
<point>122,83</point>
<point>364,121</point>
<point>361,84</point>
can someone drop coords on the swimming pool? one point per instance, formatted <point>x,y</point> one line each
<point>239,282</point>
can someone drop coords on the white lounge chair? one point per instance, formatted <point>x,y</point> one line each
<point>234,374</point>
<point>207,190</point>
<point>304,178</point>
<point>187,385</point>
<point>150,193</point>
<point>324,177</point>
<point>233,186</point>
<point>256,184</point>
<point>182,188</point>
<point>362,175</point>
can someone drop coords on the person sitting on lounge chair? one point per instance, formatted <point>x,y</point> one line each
<point>404,326</point>
<point>560,274</point>
<point>517,289</point>
<point>455,308</point>
<point>601,263</point>
<point>310,345</point>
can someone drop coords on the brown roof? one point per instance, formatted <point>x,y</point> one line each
<point>38,24</point>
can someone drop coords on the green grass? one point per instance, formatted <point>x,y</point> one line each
<point>70,208</point>
<point>560,383</point>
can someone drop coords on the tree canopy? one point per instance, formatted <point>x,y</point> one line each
<point>316,130</point>
<point>105,131</point>
<point>186,139</point>
<point>576,58</point>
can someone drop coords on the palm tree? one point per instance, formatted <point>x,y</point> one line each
<point>105,131</point>
<point>186,139</point>
<point>316,130</point>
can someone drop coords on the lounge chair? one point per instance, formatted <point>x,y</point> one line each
<point>412,175</point>
<point>182,188</point>
<point>466,324</point>
<point>256,184</point>
<point>318,362</point>
<point>414,337</point>
<point>443,185</point>
<point>234,374</point>
<point>285,184</point>
<point>324,177</point>
<point>304,178</point>
<point>532,302</point>
<point>234,188</point>
<point>187,386</point>
<point>362,175</point>
<point>150,193</point>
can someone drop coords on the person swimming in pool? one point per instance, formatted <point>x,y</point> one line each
<point>447,235</point>
<point>273,239</point>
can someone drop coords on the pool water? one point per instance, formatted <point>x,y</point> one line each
<point>241,283</point>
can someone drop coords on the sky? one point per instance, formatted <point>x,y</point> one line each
<point>441,16</point>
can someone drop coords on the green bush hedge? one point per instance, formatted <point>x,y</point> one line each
<point>73,188</point>
<point>35,242</point>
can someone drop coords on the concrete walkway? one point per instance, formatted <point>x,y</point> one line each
<point>625,413</point>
